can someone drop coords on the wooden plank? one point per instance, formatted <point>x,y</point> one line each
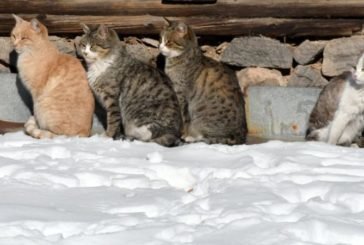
<point>226,8</point>
<point>145,25</point>
<point>6,127</point>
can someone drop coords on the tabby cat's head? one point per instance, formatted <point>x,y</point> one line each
<point>176,38</point>
<point>97,42</point>
<point>26,35</point>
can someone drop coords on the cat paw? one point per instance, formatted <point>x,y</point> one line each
<point>189,139</point>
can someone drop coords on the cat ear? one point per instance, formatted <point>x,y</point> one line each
<point>168,22</point>
<point>35,25</point>
<point>103,31</point>
<point>17,19</point>
<point>86,29</point>
<point>182,28</point>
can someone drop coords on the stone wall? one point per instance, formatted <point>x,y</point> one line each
<point>257,60</point>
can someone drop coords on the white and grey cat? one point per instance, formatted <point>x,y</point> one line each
<point>338,116</point>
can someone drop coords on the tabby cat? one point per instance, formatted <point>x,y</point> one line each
<point>338,116</point>
<point>139,100</point>
<point>62,99</point>
<point>211,100</point>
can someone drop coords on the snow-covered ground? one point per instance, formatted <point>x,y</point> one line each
<point>97,191</point>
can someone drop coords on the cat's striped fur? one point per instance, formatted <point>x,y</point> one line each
<point>139,100</point>
<point>209,94</point>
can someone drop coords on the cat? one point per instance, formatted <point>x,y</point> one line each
<point>62,99</point>
<point>139,99</point>
<point>338,116</point>
<point>209,94</point>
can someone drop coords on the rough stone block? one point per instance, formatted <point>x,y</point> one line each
<point>307,76</point>
<point>256,76</point>
<point>258,51</point>
<point>64,45</point>
<point>308,51</point>
<point>342,54</point>
<point>143,53</point>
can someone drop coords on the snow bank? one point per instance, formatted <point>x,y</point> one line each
<point>98,191</point>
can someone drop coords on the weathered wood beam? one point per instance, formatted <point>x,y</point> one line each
<point>226,8</point>
<point>144,25</point>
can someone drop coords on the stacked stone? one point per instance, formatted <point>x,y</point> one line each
<point>310,64</point>
<point>258,60</point>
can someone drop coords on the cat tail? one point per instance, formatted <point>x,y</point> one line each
<point>232,140</point>
<point>168,140</point>
<point>311,134</point>
<point>32,129</point>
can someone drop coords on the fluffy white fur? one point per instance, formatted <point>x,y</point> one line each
<point>96,66</point>
<point>170,53</point>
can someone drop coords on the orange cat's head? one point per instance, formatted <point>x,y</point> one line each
<point>25,34</point>
<point>176,38</point>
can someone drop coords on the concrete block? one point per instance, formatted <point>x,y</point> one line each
<point>16,102</point>
<point>279,112</point>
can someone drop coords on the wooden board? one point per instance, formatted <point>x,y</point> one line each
<point>145,24</point>
<point>223,8</point>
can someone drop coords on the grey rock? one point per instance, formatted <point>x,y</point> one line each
<point>143,53</point>
<point>307,76</point>
<point>308,51</point>
<point>64,45</point>
<point>342,54</point>
<point>258,51</point>
<point>5,48</point>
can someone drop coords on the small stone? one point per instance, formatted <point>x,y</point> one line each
<point>66,46</point>
<point>307,76</point>
<point>6,48</point>
<point>256,76</point>
<point>143,53</point>
<point>308,51</point>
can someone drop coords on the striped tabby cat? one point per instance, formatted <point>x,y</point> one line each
<point>209,94</point>
<point>139,100</point>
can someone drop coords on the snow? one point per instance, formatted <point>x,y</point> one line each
<point>74,191</point>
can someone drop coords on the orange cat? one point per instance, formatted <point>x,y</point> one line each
<point>63,101</point>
